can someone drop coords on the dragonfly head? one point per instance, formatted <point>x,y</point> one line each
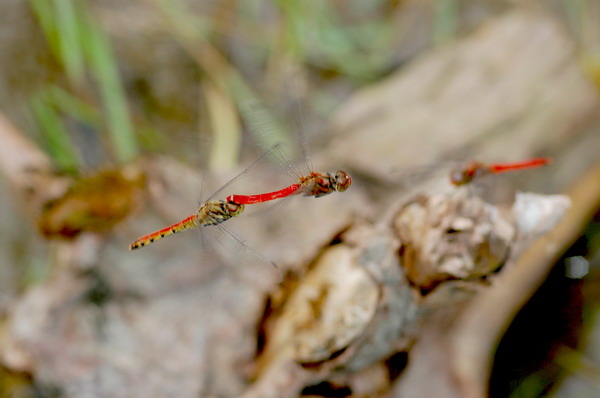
<point>467,174</point>
<point>341,181</point>
<point>459,177</point>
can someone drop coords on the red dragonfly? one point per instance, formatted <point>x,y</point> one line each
<point>311,183</point>
<point>211,212</point>
<point>475,170</point>
<point>314,184</point>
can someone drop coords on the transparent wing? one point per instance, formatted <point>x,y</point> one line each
<point>296,87</point>
<point>244,173</point>
<point>410,176</point>
<point>238,250</point>
<point>268,132</point>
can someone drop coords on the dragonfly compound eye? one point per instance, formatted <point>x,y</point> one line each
<point>457,177</point>
<point>342,181</point>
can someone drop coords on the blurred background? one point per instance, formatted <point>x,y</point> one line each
<point>118,118</point>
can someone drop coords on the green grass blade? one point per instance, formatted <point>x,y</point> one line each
<point>103,66</point>
<point>68,33</point>
<point>73,106</point>
<point>44,12</point>
<point>55,134</point>
<point>61,25</point>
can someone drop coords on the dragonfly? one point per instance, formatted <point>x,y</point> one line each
<point>311,183</point>
<point>314,184</point>
<point>211,213</point>
<point>476,170</point>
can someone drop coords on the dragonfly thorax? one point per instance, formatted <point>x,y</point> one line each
<point>215,212</point>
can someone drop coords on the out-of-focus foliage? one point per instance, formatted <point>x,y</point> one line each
<point>265,52</point>
<point>242,51</point>
<point>84,50</point>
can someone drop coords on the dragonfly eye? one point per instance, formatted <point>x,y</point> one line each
<point>342,181</point>
<point>457,177</point>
